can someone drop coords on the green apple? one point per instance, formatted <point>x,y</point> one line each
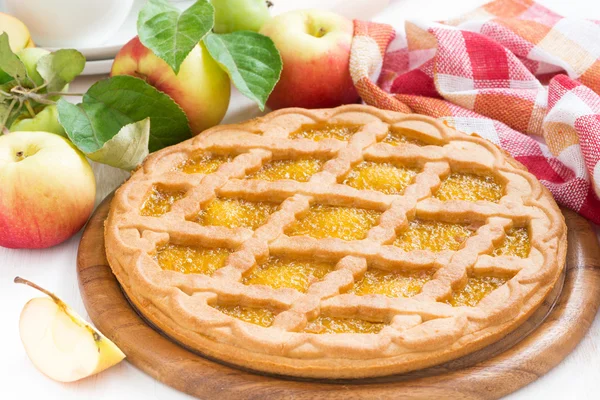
<point>18,38</point>
<point>60,343</point>
<point>240,15</point>
<point>46,120</point>
<point>47,190</point>
<point>201,88</point>
<point>18,34</point>
<point>30,57</point>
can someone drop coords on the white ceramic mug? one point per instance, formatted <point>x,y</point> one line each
<point>70,23</point>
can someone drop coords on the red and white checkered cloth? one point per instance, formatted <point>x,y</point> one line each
<point>485,73</point>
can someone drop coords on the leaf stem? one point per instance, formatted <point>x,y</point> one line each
<point>36,89</point>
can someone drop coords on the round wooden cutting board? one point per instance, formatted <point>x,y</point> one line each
<point>518,359</point>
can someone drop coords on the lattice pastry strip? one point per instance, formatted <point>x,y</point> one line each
<point>326,235</point>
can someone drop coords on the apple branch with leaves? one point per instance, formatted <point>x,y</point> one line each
<point>122,116</point>
<point>26,88</point>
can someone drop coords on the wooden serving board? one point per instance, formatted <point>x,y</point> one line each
<point>518,359</point>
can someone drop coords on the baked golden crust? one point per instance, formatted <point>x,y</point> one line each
<point>417,331</point>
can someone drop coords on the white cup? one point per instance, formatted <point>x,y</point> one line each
<point>70,23</point>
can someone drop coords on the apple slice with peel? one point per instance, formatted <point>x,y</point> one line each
<point>60,343</point>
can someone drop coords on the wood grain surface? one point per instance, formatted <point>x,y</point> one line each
<point>518,359</point>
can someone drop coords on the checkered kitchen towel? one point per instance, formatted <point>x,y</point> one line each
<point>512,72</point>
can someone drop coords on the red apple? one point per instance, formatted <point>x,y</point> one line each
<point>47,191</point>
<point>315,48</point>
<point>201,88</point>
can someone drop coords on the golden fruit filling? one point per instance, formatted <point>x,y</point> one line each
<point>515,243</point>
<point>397,136</point>
<point>318,132</point>
<point>236,213</point>
<point>323,221</point>
<point>469,187</point>
<point>391,283</point>
<point>191,260</point>
<point>477,288</point>
<point>160,200</point>
<point>383,177</point>
<point>297,170</point>
<point>257,316</point>
<point>206,163</point>
<point>287,273</point>
<point>325,324</point>
<point>432,235</point>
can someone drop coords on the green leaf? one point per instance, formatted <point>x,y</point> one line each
<point>127,149</point>
<point>60,67</point>
<point>4,77</point>
<point>10,64</point>
<point>172,34</point>
<point>251,60</point>
<point>112,103</point>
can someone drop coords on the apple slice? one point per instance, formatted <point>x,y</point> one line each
<point>60,343</point>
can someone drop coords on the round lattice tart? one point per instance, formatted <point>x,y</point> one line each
<point>342,243</point>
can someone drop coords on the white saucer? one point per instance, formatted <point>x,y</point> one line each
<point>110,48</point>
<point>97,67</point>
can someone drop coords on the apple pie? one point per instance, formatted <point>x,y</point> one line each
<point>337,243</point>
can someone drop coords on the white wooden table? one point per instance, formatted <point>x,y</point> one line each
<point>577,377</point>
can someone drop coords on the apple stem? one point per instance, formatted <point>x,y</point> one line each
<point>28,106</point>
<point>140,75</point>
<point>18,279</point>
